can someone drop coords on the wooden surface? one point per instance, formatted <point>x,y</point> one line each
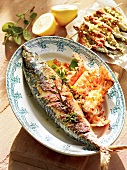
<point>18,150</point>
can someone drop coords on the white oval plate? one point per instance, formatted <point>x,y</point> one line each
<point>35,120</point>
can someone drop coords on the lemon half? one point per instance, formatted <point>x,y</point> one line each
<point>45,25</point>
<point>64,14</point>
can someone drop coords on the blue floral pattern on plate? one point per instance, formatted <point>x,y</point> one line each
<point>34,119</point>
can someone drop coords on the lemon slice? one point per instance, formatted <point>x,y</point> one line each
<point>64,13</point>
<point>45,25</point>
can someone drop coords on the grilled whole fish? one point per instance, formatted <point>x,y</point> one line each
<point>58,101</point>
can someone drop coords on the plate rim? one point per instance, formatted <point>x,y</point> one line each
<point>93,53</point>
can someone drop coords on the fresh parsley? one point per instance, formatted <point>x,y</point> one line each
<point>72,117</point>
<point>73,64</point>
<point>12,29</point>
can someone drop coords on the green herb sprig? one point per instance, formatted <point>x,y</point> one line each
<point>61,72</point>
<point>12,29</point>
<point>74,63</point>
<point>72,117</point>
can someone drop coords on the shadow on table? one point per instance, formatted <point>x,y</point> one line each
<point>115,163</point>
<point>26,153</point>
<point>10,48</point>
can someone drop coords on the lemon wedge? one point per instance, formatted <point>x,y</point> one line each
<point>45,25</point>
<point>64,13</point>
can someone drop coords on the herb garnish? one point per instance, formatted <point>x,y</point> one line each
<point>53,66</point>
<point>72,117</point>
<point>53,77</point>
<point>12,29</point>
<point>60,71</point>
<point>73,64</point>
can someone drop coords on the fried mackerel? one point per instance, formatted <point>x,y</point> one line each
<point>103,31</point>
<point>56,97</point>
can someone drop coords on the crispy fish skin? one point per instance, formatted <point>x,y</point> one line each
<point>57,100</point>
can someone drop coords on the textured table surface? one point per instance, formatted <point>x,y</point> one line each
<point>18,150</point>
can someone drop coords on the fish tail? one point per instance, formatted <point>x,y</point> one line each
<point>105,156</point>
